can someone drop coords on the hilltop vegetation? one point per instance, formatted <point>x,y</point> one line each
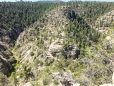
<point>59,39</point>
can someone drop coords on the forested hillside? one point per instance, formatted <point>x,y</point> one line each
<point>56,43</point>
<point>14,18</point>
<point>18,14</point>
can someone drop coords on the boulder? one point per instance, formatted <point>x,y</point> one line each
<point>71,51</point>
<point>67,80</point>
<point>55,48</point>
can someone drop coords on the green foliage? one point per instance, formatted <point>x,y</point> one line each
<point>16,65</point>
<point>81,32</point>
<point>18,46</point>
<point>41,63</point>
<point>36,61</point>
<point>59,65</point>
<point>32,54</point>
<point>91,10</point>
<point>55,82</point>
<point>25,73</point>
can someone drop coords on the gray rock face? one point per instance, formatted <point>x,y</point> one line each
<point>2,47</point>
<point>66,79</point>
<point>5,66</point>
<point>11,35</point>
<point>6,61</point>
<point>108,46</point>
<point>55,51</point>
<point>55,48</point>
<point>109,42</point>
<point>71,51</point>
<point>6,40</point>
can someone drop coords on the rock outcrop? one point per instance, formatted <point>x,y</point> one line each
<point>11,35</point>
<point>55,49</point>
<point>72,51</point>
<point>5,66</point>
<point>67,80</point>
<point>6,41</point>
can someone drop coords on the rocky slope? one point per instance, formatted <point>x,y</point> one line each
<point>41,45</point>
<point>6,56</point>
<point>104,22</point>
<point>60,49</point>
<point>14,17</point>
<point>42,52</point>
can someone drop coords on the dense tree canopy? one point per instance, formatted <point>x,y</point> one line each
<point>21,14</point>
